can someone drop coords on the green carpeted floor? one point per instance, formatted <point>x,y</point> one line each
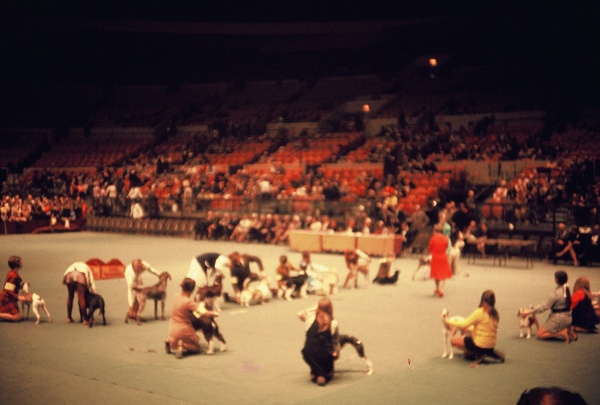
<point>120,363</point>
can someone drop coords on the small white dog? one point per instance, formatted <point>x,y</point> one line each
<point>323,281</point>
<point>526,322</point>
<point>449,332</point>
<point>36,303</point>
<point>246,297</point>
<point>263,291</point>
<point>259,294</point>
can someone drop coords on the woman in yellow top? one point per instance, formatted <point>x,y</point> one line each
<point>481,342</point>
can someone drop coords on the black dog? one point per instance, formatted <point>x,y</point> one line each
<point>358,345</point>
<point>95,302</point>
<point>207,325</point>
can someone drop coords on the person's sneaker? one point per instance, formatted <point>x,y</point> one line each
<point>321,381</point>
<point>167,347</point>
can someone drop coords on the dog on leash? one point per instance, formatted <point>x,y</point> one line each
<point>207,325</point>
<point>95,302</point>
<point>35,302</point>
<point>526,323</point>
<point>157,292</point>
<point>449,332</point>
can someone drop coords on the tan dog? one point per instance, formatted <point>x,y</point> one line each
<point>449,333</point>
<point>34,301</point>
<point>353,259</point>
<point>423,261</point>
<point>526,322</point>
<point>157,292</point>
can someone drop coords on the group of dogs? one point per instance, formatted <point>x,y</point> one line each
<point>209,295</point>
<point>157,292</point>
<point>33,302</point>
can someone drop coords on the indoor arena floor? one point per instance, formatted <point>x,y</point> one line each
<point>400,325</point>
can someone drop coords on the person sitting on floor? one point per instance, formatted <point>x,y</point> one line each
<point>383,274</point>
<point>480,344</point>
<point>585,317</point>
<point>564,244</point>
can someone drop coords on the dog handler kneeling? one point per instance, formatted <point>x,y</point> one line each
<point>9,296</point>
<point>182,336</point>
<point>481,343</point>
<point>319,350</point>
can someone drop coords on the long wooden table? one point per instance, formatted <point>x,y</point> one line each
<point>373,245</point>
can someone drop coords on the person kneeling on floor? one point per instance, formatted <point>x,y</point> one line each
<point>183,338</point>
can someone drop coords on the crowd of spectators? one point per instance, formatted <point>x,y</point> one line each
<point>58,208</point>
<point>179,178</point>
<point>532,196</point>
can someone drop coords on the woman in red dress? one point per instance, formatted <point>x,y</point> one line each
<point>9,297</point>
<point>440,265</point>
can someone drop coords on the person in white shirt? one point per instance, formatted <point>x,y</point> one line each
<point>137,211</point>
<point>79,279</point>
<point>111,194</point>
<point>321,279</point>
<point>316,225</point>
<point>133,278</point>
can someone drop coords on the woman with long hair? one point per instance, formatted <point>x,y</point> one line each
<point>319,347</point>
<point>585,317</point>
<point>559,303</point>
<point>481,342</point>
